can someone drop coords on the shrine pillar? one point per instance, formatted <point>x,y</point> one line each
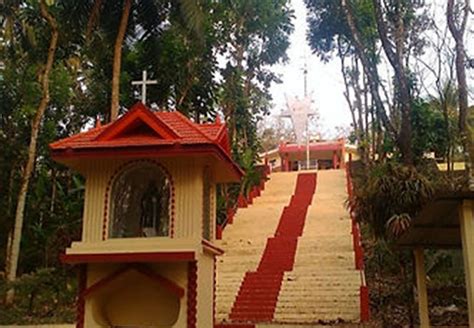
<point>466,221</point>
<point>421,288</point>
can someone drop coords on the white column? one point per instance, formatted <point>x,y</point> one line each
<point>466,222</point>
<point>421,288</point>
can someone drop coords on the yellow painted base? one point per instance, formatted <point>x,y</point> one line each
<point>135,300</point>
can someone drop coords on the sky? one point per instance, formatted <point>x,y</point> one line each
<point>325,82</point>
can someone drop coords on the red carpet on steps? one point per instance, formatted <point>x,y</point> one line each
<point>258,293</point>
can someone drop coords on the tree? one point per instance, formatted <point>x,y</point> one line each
<point>118,59</point>
<point>255,35</point>
<point>272,132</point>
<point>138,20</point>
<point>181,56</point>
<point>457,15</point>
<point>394,49</point>
<point>349,29</point>
<point>359,30</point>
<point>439,65</point>
<point>14,247</point>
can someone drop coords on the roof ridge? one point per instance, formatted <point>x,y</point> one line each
<point>138,112</point>
<point>221,129</point>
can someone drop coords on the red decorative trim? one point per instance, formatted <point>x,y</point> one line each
<point>214,249</point>
<point>364,304</point>
<point>241,201</point>
<point>213,223</point>
<point>173,206</point>
<point>82,285</point>
<point>168,150</point>
<point>223,138</point>
<point>257,191</point>
<point>214,292</point>
<point>192,295</point>
<point>138,113</point>
<point>140,268</point>
<point>119,171</point>
<point>319,146</point>
<point>104,281</point>
<point>165,282</point>
<point>230,215</point>
<point>106,208</point>
<point>356,238</point>
<point>128,257</point>
<point>219,232</point>
<point>358,249</point>
<point>250,198</point>
<point>206,176</point>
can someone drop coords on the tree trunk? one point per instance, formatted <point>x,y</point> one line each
<point>396,59</point>
<point>458,34</point>
<point>13,257</point>
<point>53,192</point>
<point>445,109</point>
<point>114,107</point>
<point>93,18</point>
<point>358,123</point>
<point>370,69</point>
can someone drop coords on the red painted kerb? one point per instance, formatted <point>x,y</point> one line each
<point>358,252</point>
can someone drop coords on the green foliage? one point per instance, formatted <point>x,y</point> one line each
<point>252,175</point>
<point>430,133</point>
<point>391,195</point>
<point>327,22</point>
<point>177,42</point>
<point>45,296</point>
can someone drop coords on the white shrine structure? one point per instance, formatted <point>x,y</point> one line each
<point>147,253</point>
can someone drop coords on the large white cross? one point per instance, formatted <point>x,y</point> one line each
<point>144,82</point>
<point>299,110</point>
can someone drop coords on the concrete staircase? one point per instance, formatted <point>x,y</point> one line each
<point>324,285</point>
<point>258,293</point>
<point>244,241</point>
<point>319,284</point>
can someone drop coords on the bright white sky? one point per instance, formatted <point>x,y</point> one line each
<point>325,80</point>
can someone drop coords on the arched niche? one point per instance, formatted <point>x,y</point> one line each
<point>134,299</point>
<point>140,202</point>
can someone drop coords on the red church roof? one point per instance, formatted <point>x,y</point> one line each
<point>317,146</point>
<point>142,131</point>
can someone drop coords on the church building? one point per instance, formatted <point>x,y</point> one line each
<point>322,155</point>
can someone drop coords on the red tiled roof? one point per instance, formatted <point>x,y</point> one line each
<point>212,130</point>
<point>140,127</point>
<point>141,132</point>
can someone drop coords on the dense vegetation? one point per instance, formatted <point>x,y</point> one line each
<point>66,64</point>
<point>388,51</point>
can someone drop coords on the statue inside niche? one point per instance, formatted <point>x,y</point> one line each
<point>150,219</point>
